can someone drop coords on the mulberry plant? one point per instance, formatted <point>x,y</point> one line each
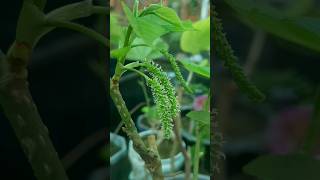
<point>147,26</point>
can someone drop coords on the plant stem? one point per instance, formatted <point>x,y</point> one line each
<point>24,117</point>
<point>151,158</point>
<point>196,154</point>
<point>256,47</point>
<point>116,131</point>
<point>177,131</point>
<point>145,93</point>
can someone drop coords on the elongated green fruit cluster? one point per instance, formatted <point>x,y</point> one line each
<point>225,52</point>
<point>176,69</point>
<point>162,101</point>
<point>156,71</point>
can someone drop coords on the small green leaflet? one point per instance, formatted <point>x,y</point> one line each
<point>282,167</point>
<point>198,69</point>
<point>202,117</point>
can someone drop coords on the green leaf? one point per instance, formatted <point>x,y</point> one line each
<point>30,23</point>
<point>40,3</point>
<point>304,31</point>
<point>154,25</point>
<point>168,15</point>
<point>198,69</point>
<point>202,117</point>
<point>119,53</point>
<point>72,11</point>
<point>150,9</point>
<point>142,52</point>
<point>277,167</point>
<point>199,40</point>
<point>115,29</point>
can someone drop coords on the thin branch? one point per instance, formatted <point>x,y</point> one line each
<point>80,28</point>
<point>83,147</point>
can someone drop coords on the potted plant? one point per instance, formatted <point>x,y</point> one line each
<point>145,27</point>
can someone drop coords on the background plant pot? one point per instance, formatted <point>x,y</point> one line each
<point>119,165</point>
<point>141,124</point>
<point>181,176</point>
<point>120,142</point>
<point>138,170</point>
<point>191,139</point>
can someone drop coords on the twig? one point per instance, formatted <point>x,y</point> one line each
<point>177,131</point>
<point>83,147</point>
<point>257,44</point>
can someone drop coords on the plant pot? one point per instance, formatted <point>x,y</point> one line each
<point>138,166</point>
<point>141,123</point>
<point>181,177</point>
<point>120,143</point>
<point>119,164</point>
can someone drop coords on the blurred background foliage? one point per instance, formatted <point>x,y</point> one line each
<point>69,94</point>
<point>277,42</point>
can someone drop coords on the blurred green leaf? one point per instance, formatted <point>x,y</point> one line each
<point>115,29</point>
<point>150,113</point>
<point>301,30</point>
<point>72,11</point>
<point>198,69</point>
<point>313,133</point>
<point>118,53</point>
<point>202,117</point>
<point>199,40</point>
<point>30,23</point>
<point>277,167</point>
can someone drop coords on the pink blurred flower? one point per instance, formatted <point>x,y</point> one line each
<point>287,130</point>
<point>199,102</point>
